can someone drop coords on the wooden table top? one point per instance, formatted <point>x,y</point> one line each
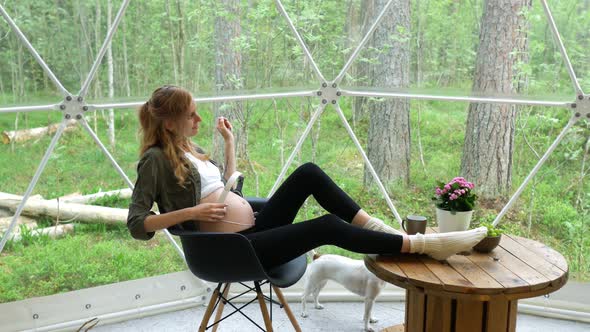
<point>517,268</point>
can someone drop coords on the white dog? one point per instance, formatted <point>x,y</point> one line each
<point>350,273</point>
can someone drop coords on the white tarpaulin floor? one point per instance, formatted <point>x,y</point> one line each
<point>336,317</point>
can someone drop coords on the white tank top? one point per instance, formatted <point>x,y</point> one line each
<point>210,175</point>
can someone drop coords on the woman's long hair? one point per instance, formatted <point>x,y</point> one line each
<point>167,104</point>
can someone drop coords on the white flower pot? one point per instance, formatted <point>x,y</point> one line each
<point>449,222</point>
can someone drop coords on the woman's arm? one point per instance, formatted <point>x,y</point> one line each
<point>144,195</point>
<point>230,158</point>
<point>203,211</point>
<point>224,127</point>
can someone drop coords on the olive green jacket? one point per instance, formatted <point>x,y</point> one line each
<point>156,183</point>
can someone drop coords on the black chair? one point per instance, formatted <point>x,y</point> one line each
<point>227,258</point>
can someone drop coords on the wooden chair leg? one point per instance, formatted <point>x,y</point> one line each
<point>287,308</point>
<point>220,307</point>
<point>263,308</point>
<point>209,309</point>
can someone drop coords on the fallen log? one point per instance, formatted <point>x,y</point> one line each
<point>67,211</point>
<point>122,193</point>
<point>13,196</point>
<point>23,135</point>
<point>53,232</point>
<point>5,222</point>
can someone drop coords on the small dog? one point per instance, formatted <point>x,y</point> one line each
<point>350,273</point>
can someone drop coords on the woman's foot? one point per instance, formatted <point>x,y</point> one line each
<point>376,224</point>
<point>441,246</point>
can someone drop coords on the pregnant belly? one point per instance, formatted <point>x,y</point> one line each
<point>238,214</point>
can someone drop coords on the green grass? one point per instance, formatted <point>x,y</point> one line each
<point>93,255</point>
<point>97,254</point>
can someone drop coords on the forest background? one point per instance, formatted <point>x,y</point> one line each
<point>238,47</point>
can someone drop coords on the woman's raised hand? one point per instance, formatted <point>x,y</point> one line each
<point>224,127</point>
<point>209,211</point>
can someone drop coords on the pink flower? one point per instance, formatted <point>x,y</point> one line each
<point>447,186</point>
<point>453,197</point>
<point>438,191</point>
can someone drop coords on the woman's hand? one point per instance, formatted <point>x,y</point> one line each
<point>224,127</point>
<point>208,211</point>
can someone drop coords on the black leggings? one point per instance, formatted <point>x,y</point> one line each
<point>277,240</point>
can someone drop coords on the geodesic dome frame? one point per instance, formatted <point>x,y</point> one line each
<point>328,93</point>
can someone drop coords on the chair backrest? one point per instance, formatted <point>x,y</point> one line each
<point>220,257</point>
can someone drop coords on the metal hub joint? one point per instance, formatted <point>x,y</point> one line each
<point>329,93</point>
<point>581,107</point>
<point>73,107</point>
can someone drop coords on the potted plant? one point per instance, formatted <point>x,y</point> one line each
<point>454,204</point>
<point>492,239</point>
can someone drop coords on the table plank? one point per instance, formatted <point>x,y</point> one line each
<point>510,281</point>
<point>438,314</point>
<point>474,274</point>
<point>497,316</point>
<point>451,280</point>
<point>469,316</point>
<point>530,258</point>
<point>390,264</point>
<point>512,311</point>
<point>417,273</point>
<point>544,251</point>
<point>534,278</point>
<point>415,317</point>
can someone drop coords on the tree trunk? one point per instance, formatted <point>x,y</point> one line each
<point>52,232</point>
<point>489,137</point>
<point>125,60</point>
<point>17,136</point>
<point>361,69</point>
<point>68,211</point>
<point>97,42</point>
<point>228,72</point>
<point>180,42</point>
<point>111,120</point>
<point>85,199</point>
<point>389,128</point>
<point>172,37</point>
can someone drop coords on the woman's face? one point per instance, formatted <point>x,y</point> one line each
<point>189,125</point>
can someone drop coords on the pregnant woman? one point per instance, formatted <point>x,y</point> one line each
<point>187,185</point>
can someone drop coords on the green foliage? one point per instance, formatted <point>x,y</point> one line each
<point>90,257</point>
<point>492,231</point>
<point>112,201</point>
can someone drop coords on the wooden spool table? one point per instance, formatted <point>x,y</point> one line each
<point>475,292</point>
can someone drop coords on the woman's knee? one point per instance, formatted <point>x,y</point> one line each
<point>332,220</point>
<point>308,169</point>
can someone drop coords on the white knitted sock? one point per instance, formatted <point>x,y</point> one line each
<point>376,224</point>
<point>441,246</point>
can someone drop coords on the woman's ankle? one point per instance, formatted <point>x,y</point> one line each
<point>360,218</point>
